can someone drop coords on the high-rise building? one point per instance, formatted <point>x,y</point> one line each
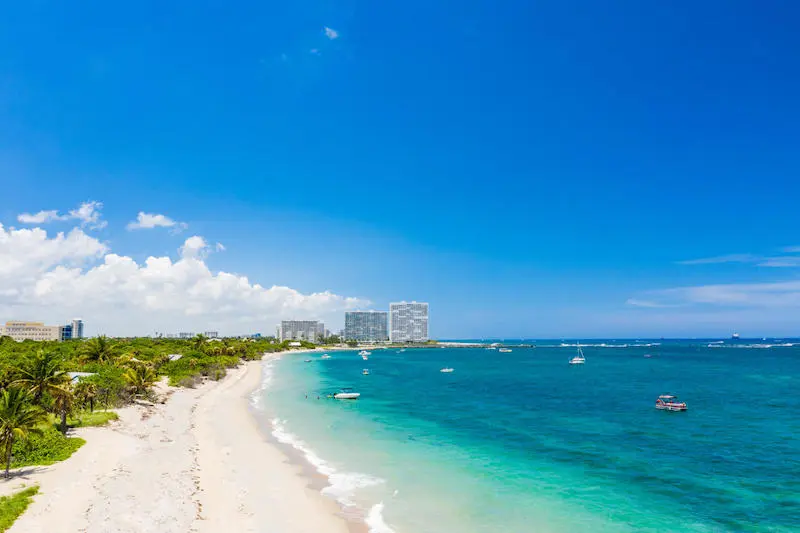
<point>66,332</point>
<point>77,328</point>
<point>366,326</point>
<point>302,330</point>
<point>33,331</point>
<point>408,322</point>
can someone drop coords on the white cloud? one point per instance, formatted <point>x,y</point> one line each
<point>54,278</point>
<point>778,294</point>
<point>331,34</point>
<point>779,261</point>
<point>219,247</point>
<point>153,220</point>
<point>88,213</point>
<point>731,258</point>
<point>42,217</point>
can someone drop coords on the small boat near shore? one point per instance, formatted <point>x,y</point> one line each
<point>308,360</point>
<point>326,356</point>
<point>504,350</point>
<point>668,402</point>
<point>347,393</point>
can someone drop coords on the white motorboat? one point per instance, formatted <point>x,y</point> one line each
<point>347,394</point>
<point>362,353</point>
<point>504,350</point>
<point>578,359</point>
<point>668,402</point>
<point>326,356</point>
<point>446,370</point>
<point>308,360</point>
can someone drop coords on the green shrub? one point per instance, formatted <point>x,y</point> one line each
<point>11,507</point>
<point>45,449</point>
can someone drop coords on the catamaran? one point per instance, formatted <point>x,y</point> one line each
<point>578,359</point>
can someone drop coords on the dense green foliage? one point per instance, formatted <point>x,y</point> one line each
<point>34,381</point>
<point>11,507</point>
<point>45,448</point>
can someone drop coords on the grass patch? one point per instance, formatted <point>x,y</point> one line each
<point>45,449</point>
<point>11,507</point>
<point>86,419</point>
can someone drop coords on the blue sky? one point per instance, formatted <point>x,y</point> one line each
<point>539,169</point>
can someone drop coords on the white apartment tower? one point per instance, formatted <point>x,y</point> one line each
<point>301,330</point>
<point>408,322</point>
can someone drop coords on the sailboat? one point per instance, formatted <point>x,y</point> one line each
<point>578,359</point>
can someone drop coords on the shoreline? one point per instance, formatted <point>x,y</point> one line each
<point>198,462</point>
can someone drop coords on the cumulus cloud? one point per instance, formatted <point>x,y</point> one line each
<point>88,213</point>
<point>153,220</point>
<point>53,278</point>
<point>331,34</point>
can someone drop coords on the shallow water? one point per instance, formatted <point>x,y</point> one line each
<point>522,441</point>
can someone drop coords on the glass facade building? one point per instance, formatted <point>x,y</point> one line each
<point>366,326</point>
<point>408,322</point>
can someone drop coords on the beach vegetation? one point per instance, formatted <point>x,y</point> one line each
<point>40,402</point>
<point>11,507</point>
<point>45,446</point>
<point>19,418</point>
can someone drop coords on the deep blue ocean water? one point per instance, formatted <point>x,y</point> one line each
<point>524,442</point>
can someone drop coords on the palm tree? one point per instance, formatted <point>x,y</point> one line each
<point>18,418</point>
<point>43,374</point>
<point>63,402</point>
<point>140,378</point>
<point>99,349</point>
<point>86,391</point>
<point>199,341</point>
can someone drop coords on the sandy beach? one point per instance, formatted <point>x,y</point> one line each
<point>195,463</point>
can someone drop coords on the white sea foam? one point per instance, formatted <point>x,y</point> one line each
<point>257,397</point>
<point>342,485</point>
<point>375,520</point>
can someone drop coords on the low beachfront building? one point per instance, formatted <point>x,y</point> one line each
<point>30,331</point>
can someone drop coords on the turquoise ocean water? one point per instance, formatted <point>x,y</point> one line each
<point>524,442</point>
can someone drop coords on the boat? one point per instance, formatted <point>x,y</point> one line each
<point>347,394</point>
<point>647,356</point>
<point>735,336</point>
<point>578,359</point>
<point>668,402</point>
<point>365,372</point>
<point>362,353</point>
<point>326,356</point>
<point>504,350</point>
<point>446,370</point>
<point>308,360</point>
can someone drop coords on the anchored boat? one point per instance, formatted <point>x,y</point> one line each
<point>668,402</point>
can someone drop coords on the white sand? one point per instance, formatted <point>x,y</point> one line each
<point>197,463</point>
